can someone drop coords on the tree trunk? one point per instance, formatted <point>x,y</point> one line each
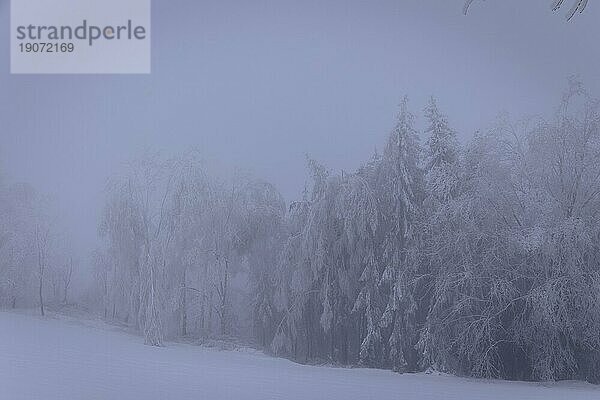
<point>202,284</point>
<point>183,307</point>
<point>106,296</point>
<point>332,344</point>
<point>210,314</point>
<point>295,347</point>
<point>41,287</point>
<point>308,330</point>
<point>224,300</point>
<point>332,335</point>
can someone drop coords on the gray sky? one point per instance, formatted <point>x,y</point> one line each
<point>257,84</point>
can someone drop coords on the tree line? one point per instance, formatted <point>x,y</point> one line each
<point>479,259</point>
<point>36,261</point>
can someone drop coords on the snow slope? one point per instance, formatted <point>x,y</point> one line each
<point>57,358</point>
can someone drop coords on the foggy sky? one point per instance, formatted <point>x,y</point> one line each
<point>258,84</point>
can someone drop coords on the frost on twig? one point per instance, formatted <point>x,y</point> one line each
<point>578,6</point>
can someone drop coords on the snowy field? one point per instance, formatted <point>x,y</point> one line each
<point>59,358</point>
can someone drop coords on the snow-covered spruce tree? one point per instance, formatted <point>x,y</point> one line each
<point>360,220</point>
<point>399,187</point>
<point>441,159</point>
<point>292,282</point>
<point>330,247</point>
<point>343,230</point>
<point>442,170</point>
<point>310,285</point>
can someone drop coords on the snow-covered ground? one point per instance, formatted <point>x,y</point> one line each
<point>59,358</point>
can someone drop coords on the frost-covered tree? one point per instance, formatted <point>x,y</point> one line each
<point>516,269</point>
<point>330,248</point>
<point>261,236</point>
<point>17,255</point>
<point>28,247</point>
<point>176,238</point>
<point>400,191</point>
<point>137,226</point>
<point>479,260</point>
<point>441,159</point>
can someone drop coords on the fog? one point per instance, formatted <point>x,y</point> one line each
<point>259,85</point>
<point>392,184</point>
